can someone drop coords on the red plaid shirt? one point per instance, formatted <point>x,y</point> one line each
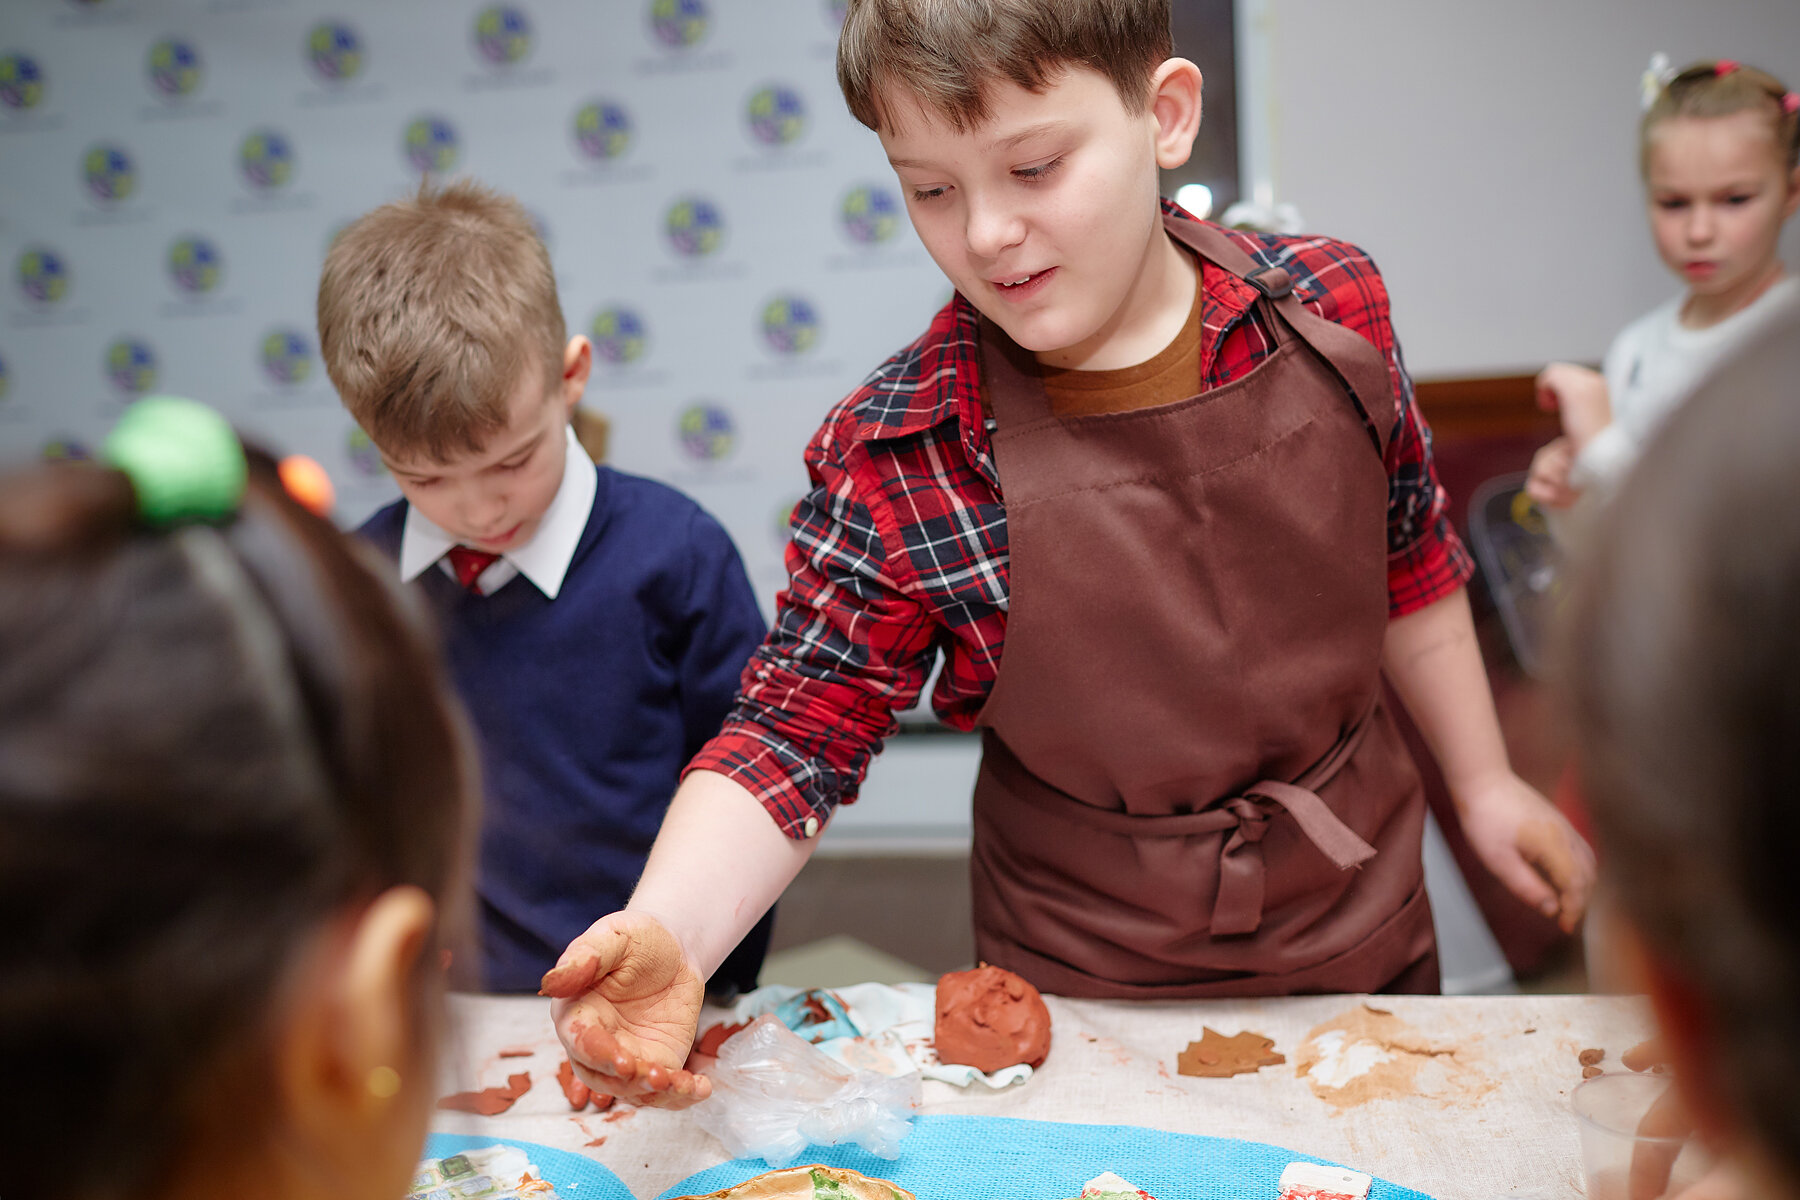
<point>900,549</point>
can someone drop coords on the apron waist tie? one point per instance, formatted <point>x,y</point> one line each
<point>1239,906</point>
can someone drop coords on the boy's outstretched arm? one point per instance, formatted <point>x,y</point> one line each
<point>627,993</point>
<point>1432,659</point>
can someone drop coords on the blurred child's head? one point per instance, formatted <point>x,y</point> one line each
<point>233,803</point>
<point>440,327</point>
<point>1684,663</point>
<point>1719,147</point>
<point>1027,135</point>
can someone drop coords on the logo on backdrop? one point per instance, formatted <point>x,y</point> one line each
<point>21,81</point>
<point>195,265</point>
<point>790,324</point>
<point>335,52</point>
<point>502,35</point>
<point>363,456</point>
<point>679,23</point>
<point>706,432</point>
<point>286,356</point>
<point>777,115</point>
<point>131,366</point>
<point>108,172</point>
<point>619,335</point>
<point>43,275</point>
<point>869,214</point>
<point>694,227</point>
<point>431,144</point>
<point>602,130</point>
<point>175,68</point>
<point>267,159</point>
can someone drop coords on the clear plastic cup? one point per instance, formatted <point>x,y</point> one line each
<point>1619,1161</point>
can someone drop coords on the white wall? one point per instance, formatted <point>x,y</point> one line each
<point>1485,154</point>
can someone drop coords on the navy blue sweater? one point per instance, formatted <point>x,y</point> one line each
<point>587,707</point>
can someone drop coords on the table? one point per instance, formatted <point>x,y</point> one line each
<point>1115,1063</point>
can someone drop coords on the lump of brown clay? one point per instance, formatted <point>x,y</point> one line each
<point>1216,1056</point>
<point>1592,1057</point>
<point>989,1018</point>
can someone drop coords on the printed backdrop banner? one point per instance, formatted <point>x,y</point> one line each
<point>171,172</point>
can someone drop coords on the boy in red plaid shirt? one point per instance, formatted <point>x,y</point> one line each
<point>1177,473</point>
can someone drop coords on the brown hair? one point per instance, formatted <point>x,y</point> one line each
<point>212,742</point>
<point>948,52</point>
<point>1719,88</point>
<point>1683,663</point>
<point>431,312</point>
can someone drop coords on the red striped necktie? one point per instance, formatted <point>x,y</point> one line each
<point>469,563</point>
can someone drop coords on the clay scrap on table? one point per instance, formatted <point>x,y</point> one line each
<point>1111,1187</point>
<point>1216,1056</point>
<point>1590,1061</point>
<point>1370,1054</point>
<point>989,1018</point>
<point>489,1102</point>
<point>810,1183</point>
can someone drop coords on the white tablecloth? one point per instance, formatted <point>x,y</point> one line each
<point>1114,1063</point>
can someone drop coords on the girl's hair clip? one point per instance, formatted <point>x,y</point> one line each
<point>1790,103</point>
<point>184,461</point>
<point>1726,66</point>
<point>1657,76</point>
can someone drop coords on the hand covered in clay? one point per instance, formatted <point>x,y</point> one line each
<point>1529,846</point>
<point>1579,396</point>
<point>626,1003</point>
<point>1551,468</point>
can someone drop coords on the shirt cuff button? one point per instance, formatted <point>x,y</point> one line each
<point>812,827</point>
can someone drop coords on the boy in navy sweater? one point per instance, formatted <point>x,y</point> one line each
<point>596,622</point>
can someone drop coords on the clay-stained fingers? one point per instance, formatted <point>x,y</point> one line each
<point>652,1086</point>
<point>587,960</point>
<point>1564,862</point>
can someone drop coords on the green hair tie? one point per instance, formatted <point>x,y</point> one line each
<point>183,459</point>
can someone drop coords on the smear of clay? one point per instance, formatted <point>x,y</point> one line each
<point>715,1036</point>
<point>1216,1056</point>
<point>489,1102</point>
<point>989,1019</point>
<point>618,1114</point>
<point>1366,1053</point>
<point>516,1052</point>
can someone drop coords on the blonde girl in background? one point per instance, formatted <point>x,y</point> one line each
<point>1719,148</point>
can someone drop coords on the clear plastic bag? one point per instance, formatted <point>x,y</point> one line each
<point>774,1094</point>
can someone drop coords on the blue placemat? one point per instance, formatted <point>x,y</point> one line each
<point>1000,1158</point>
<point>574,1177</point>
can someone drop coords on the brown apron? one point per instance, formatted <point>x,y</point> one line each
<point>1189,785</point>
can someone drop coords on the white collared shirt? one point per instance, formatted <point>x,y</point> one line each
<point>544,560</point>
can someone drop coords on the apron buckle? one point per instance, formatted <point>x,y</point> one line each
<point>1272,282</point>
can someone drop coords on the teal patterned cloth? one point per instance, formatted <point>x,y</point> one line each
<point>999,1158</point>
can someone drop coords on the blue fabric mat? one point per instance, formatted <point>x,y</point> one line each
<point>574,1177</point>
<point>999,1158</point>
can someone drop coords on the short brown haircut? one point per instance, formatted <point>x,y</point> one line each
<point>431,311</point>
<point>1716,88</point>
<point>948,52</point>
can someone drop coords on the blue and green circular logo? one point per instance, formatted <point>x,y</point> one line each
<point>869,214</point>
<point>267,159</point>
<point>431,144</point>
<point>790,324</point>
<point>777,115</point>
<point>175,68</point>
<point>602,130</point>
<point>108,172</point>
<point>619,335</point>
<point>195,265</point>
<point>286,356</point>
<point>694,227</point>
<point>43,275</point>
<point>707,432</point>
<point>335,51</point>
<point>65,449</point>
<point>364,458</point>
<point>21,81</point>
<point>679,23</point>
<point>131,366</point>
<point>502,35</point>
